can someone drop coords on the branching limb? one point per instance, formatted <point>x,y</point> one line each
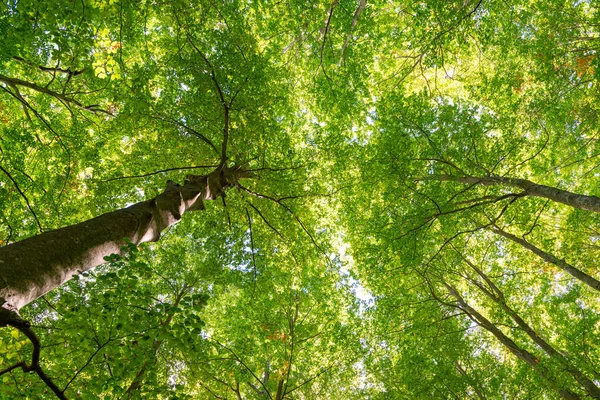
<point>252,244</point>
<point>59,96</point>
<point>56,69</point>
<point>11,318</point>
<point>325,29</point>
<point>100,347</point>
<point>265,220</point>
<point>247,368</point>
<point>289,210</point>
<point>196,133</point>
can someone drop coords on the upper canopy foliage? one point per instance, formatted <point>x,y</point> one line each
<point>367,253</point>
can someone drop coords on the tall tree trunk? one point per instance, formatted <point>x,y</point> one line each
<point>521,353</point>
<point>589,203</point>
<point>136,384</point>
<point>34,266</point>
<point>562,264</point>
<point>470,381</point>
<point>496,295</point>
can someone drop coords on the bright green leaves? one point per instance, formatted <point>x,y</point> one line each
<point>349,114</point>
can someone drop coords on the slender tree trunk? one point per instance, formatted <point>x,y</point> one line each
<point>562,264</point>
<point>34,266</point>
<point>521,353</point>
<point>280,394</point>
<point>583,202</point>
<point>470,381</point>
<point>136,384</point>
<point>498,297</point>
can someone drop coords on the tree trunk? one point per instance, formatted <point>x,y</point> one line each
<point>583,202</point>
<point>497,296</point>
<point>521,353</point>
<point>34,266</point>
<point>136,384</point>
<point>562,264</point>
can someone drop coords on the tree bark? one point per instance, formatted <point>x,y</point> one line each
<point>521,353</point>
<point>562,264</point>
<point>498,297</point>
<point>583,202</point>
<point>34,266</point>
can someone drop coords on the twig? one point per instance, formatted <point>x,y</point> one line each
<point>85,365</point>
<point>265,220</point>
<point>194,132</point>
<point>325,29</point>
<point>247,368</point>
<point>252,246</point>
<point>50,69</point>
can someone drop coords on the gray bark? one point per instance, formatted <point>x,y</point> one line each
<point>34,266</point>
<point>583,202</point>
<point>521,353</point>
<point>498,297</point>
<point>562,264</point>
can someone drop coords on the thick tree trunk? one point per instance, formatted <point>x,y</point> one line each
<point>521,353</point>
<point>589,203</point>
<point>562,264</point>
<point>34,266</point>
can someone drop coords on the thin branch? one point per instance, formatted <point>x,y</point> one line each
<point>50,69</point>
<point>224,103</point>
<point>41,118</point>
<point>158,172</point>
<point>289,210</point>
<point>325,29</point>
<point>24,197</point>
<point>251,244</point>
<point>85,365</point>
<point>247,368</point>
<point>194,132</point>
<point>265,220</point>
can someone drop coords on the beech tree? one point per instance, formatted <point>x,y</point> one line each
<point>391,199</point>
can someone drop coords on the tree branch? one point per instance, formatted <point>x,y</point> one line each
<point>50,69</point>
<point>158,172</point>
<point>24,197</point>
<point>11,318</point>
<point>63,98</point>
<point>224,103</point>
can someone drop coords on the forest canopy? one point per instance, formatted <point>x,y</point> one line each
<point>254,199</point>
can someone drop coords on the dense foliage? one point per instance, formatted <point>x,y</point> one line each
<point>394,242</point>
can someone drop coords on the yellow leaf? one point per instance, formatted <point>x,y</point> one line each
<point>583,65</point>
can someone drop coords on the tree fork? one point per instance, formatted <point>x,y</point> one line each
<point>34,266</point>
